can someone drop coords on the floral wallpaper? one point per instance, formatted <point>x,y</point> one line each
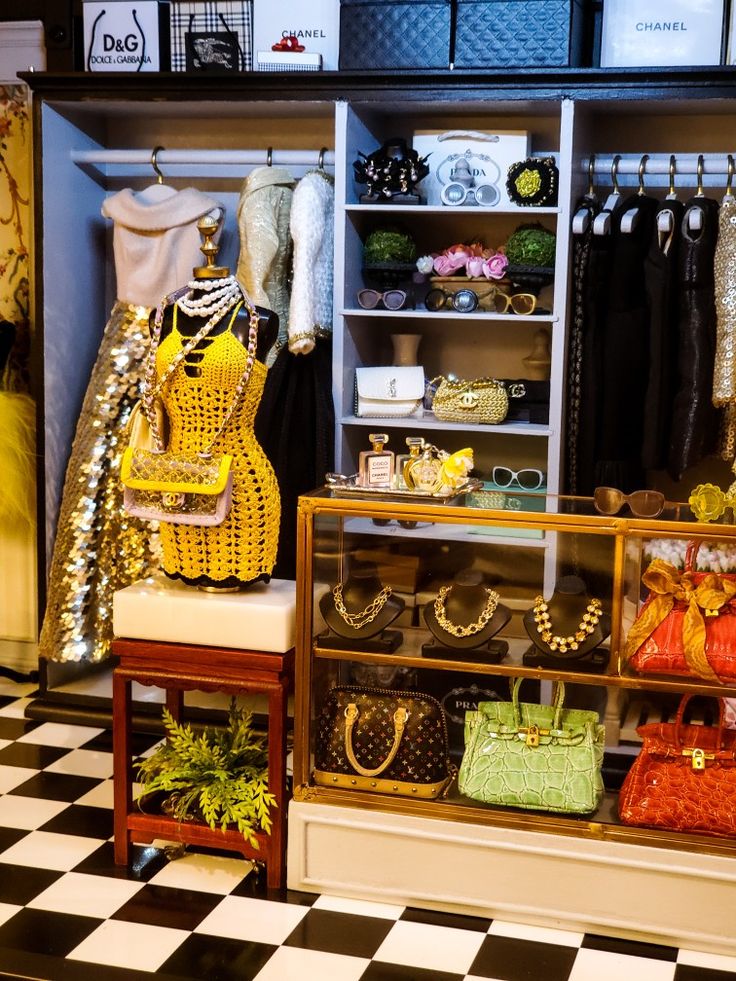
<point>15,181</point>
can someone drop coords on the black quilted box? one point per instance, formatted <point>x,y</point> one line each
<point>385,34</point>
<point>519,33</point>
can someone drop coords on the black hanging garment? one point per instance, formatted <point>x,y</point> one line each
<point>695,421</point>
<point>661,268</point>
<point>626,351</point>
<point>581,245</point>
<point>295,426</point>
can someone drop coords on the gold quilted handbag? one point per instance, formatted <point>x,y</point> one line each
<point>484,401</point>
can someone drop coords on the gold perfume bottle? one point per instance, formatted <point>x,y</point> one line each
<point>376,466</point>
<point>423,473</point>
<point>416,445</point>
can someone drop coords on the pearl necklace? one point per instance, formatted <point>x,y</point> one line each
<point>464,630</point>
<point>562,644</point>
<point>219,296</point>
<point>364,617</point>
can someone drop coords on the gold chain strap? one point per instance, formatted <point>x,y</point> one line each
<point>464,630</point>
<point>364,617</point>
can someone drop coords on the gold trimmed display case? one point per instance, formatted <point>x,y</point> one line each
<point>416,547</point>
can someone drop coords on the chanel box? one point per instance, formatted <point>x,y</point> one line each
<point>662,33</point>
<point>316,25</point>
<point>123,36</point>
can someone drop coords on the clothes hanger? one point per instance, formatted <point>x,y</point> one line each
<point>728,196</point>
<point>582,217</point>
<point>602,222</point>
<point>665,218</point>
<point>630,219</point>
<point>321,159</point>
<point>269,157</point>
<point>158,191</point>
<point>694,216</point>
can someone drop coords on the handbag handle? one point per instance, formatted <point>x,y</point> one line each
<point>351,717</point>
<point>691,556</point>
<point>558,702</point>
<point>679,719</point>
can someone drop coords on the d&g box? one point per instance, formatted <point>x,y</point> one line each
<point>651,33</point>
<point>124,36</point>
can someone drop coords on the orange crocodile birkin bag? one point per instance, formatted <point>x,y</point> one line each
<point>687,625</point>
<point>684,778</point>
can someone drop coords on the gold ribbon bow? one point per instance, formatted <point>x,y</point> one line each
<point>669,585</point>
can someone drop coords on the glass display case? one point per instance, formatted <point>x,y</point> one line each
<point>448,602</point>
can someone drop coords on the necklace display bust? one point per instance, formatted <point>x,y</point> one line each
<point>573,617</point>
<point>359,610</point>
<point>461,608</point>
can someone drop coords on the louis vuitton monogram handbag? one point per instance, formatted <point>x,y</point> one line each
<point>388,742</point>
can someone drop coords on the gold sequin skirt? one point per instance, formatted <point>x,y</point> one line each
<point>98,548</point>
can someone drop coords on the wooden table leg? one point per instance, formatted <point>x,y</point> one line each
<point>122,789</point>
<point>175,703</point>
<point>277,718</point>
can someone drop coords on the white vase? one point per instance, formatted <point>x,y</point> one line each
<point>405,348</point>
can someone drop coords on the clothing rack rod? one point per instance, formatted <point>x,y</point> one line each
<point>280,158</point>
<point>685,163</point>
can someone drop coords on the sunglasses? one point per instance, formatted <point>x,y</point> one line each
<point>391,299</point>
<point>526,479</point>
<point>467,300</point>
<point>455,194</point>
<point>642,503</point>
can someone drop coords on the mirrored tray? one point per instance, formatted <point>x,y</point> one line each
<point>349,485</point>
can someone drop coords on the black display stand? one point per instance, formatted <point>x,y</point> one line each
<point>464,604</point>
<point>492,652</point>
<point>387,642</point>
<point>359,589</point>
<point>594,662</point>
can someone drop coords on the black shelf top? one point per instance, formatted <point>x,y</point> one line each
<point>589,84</point>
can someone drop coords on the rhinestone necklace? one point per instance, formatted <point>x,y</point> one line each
<point>464,630</point>
<point>364,617</point>
<point>562,644</point>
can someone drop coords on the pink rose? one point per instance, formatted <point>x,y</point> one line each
<point>474,266</point>
<point>495,267</point>
<point>445,265</point>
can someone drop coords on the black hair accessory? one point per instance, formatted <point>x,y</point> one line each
<point>533,182</point>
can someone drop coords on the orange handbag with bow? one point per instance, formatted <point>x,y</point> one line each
<point>687,626</point>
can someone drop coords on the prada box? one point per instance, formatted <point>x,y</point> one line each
<point>124,36</point>
<point>662,33</point>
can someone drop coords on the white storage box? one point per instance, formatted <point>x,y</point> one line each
<point>662,33</point>
<point>125,35</point>
<point>488,157</point>
<point>288,61</point>
<point>316,25</point>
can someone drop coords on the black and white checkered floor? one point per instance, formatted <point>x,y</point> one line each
<point>67,912</point>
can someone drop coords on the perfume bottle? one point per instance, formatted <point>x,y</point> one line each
<point>416,445</point>
<point>423,473</point>
<point>376,466</point>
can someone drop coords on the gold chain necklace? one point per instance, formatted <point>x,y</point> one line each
<point>464,630</point>
<point>562,644</point>
<point>366,616</point>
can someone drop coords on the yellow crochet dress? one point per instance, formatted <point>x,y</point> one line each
<point>242,549</point>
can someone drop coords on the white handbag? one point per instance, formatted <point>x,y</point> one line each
<point>389,392</point>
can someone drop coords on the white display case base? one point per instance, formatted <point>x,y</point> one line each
<point>633,891</point>
<point>260,618</point>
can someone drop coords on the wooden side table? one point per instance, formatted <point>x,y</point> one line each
<point>182,667</point>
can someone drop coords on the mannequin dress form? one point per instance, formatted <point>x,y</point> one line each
<point>566,609</point>
<point>463,605</point>
<point>98,548</point>
<point>242,549</point>
<point>361,588</point>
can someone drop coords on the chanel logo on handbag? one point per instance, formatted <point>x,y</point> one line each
<point>392,388</point>
<point>170,500</point>
<point>469,400</point>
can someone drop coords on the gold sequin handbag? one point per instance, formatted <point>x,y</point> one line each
<point>484,401</point>
<point>193,488</point>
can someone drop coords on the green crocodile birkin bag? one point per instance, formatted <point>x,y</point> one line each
<point>541,757</point>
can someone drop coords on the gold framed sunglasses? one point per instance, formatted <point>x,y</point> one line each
<point>642,503</point>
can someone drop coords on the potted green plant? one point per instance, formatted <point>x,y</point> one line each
<point>216,776</point>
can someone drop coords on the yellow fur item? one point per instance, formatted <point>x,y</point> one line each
<point>17,458</point>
